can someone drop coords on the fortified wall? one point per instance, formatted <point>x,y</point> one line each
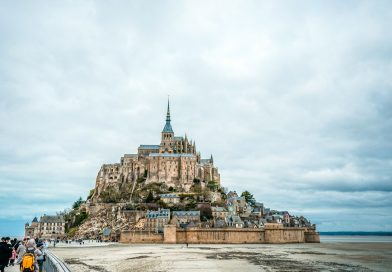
<point>271,234</point>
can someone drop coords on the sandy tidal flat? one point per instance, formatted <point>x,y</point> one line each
<point>292,257</point>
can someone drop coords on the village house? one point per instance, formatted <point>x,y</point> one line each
<point>170,198</point>
<point>258,210</point>
<point>219,213</point>
<point>286,219</point>
<point>234,221</point>
<point>236,205</point>
<point>155,220</point>
<point>182,218</point>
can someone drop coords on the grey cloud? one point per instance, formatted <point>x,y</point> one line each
<point>285,96</point>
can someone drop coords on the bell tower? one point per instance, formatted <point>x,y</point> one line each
<point>167,135</point>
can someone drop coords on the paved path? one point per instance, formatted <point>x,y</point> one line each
<point>14,268</point>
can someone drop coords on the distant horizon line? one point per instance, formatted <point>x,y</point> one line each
<point>358,233</point>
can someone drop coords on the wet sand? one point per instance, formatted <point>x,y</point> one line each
<point>291,257</point>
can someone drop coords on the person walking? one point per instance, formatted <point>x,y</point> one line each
<point>8,241</point>
<point>20,251</point>
<point>5,254</point>
<point>13,256</point>
<point>41,256</point>
<point>32,249</point>
<point>14,241</point>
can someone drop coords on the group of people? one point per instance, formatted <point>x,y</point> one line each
<point>29,254</point>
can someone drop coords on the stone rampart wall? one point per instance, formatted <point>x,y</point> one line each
<point>271,235</point>
<point>312,237</point>
<point>220,236</point>
<point>283,236</point>
<point>140,237</point>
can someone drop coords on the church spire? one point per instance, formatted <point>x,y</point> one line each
<point>168,127</point>
<point>168,111</point>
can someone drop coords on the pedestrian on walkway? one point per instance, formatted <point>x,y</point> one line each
<point>41,257</point>
<point>13,256</point>
<point>20,251</point>
<point>8,241</point>
<point>31,248</point>
<point>5,254</point>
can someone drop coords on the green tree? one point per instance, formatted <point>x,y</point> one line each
<point>72,231</point>
<point>248,197</point>
<point>205,213</point>
<point>90,194</point>
<point>80,218</point>
<point>77,203</point>
<point>150,197</point>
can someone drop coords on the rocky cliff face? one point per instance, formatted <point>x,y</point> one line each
<point>107,216</point>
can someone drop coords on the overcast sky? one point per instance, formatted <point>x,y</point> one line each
<point>292,98</point>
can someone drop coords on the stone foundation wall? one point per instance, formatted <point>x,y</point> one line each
<point>140,237</point>
<point>283,236</point>
<point>220,236</point>
<point>273,234</point>
<point>170,232</point>
<point>312,237</point>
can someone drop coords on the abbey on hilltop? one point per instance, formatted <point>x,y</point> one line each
<point>175,162</point>
<point>167,194</point>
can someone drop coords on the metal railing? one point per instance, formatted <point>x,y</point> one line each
<point>54,264</point>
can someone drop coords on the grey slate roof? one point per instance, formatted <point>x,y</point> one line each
<point>186,213</point>
<point>205,161</point>
<point>158,214</point>
<point>149,147</point>
<point>168,128</point>
<point>170,155</point>
<point>52,219</point>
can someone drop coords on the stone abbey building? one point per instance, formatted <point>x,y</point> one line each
<point>175,162</point>
<point>47,227</point>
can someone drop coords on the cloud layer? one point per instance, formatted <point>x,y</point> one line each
<point>293,100</point>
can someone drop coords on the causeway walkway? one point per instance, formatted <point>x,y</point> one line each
<point>14,268</point>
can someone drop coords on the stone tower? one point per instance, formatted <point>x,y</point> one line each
<point>167,139</point>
